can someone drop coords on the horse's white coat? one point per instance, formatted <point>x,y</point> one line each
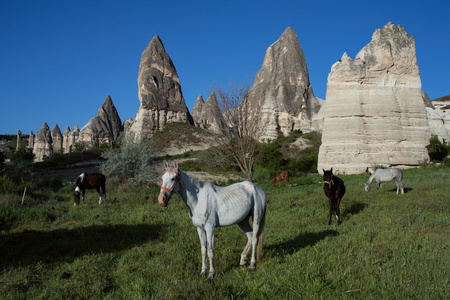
<point>211,206</point>
<point>385,175</point>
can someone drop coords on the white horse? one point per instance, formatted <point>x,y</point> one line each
<point>212,206</point>
<point>385,175</point>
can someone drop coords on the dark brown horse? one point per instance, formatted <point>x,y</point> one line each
<point>280,177</point>
<point>88,181</point>
<point>334,189</point>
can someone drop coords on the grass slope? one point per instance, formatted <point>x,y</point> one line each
<point>388,247</point>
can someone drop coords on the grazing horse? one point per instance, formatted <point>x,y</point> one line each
<point>212,206</point>
<point>281,176</point>
<point>386,175</point>
<point>334,189</point>
<point>88,181</point>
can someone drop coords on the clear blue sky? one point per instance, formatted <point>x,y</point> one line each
<point>59,59</point>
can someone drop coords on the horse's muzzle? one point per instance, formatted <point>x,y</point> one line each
<point>163,200</point>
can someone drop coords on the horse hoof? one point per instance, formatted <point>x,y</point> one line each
<point>210,276</point>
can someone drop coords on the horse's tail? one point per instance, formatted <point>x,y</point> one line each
<point>259,247</point>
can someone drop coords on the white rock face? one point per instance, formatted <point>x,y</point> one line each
<point>57,139</point>
<point>43,143</point>
<point>159,92</point>
<point>207,114</point>
<point>439,122</point>
<point>281,98</point>
<point>375,113</point>
<point>104,128</point>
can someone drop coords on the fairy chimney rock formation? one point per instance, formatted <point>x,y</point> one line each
<point>73,138</point>
<point>198,113</point>
<point>57,139</point>
<point>31,140</point>
<point>42,144</point>
<point>208,115</point>
<point>105,127</point>
<point>281,98</point>
<point>375,112</point>
<point>127,124</point>
<point>19,139</point>
<point>66,140</point>
<point>160,93</point>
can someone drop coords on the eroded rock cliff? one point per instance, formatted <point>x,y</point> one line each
<point>375,112</point>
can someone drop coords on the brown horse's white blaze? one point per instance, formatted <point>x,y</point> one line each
<point>89,181</point>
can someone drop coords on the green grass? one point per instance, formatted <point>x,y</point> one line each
<point>389,246</point>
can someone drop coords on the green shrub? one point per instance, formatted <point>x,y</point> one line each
<point>305,162</point>
<point>131,163</point>
<point>271,157</point>
<point>6,185</point>
<point>438,150</point>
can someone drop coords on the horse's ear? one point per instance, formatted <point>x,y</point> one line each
<point>323,170</point>
<point>331,170</point>
<point>176,165</point>
<point>166,165</point>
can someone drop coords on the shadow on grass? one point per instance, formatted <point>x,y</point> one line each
<point>64,245</point>
<point>355,208</point>
<point>301,241</point>
<point>405,190</point>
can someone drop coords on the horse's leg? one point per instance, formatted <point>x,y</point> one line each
<point>256,224</point>
<point>99,195</point>
<point>330,200</point>
<point>210,250</point>
<point>338,212</point>
<point>104,192</point>
<point>202,236</point>
<point>82,194</point>
<point>401,186</point>
<point>245,226</point>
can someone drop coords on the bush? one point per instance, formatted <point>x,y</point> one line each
<point>271,157</point>
<point>20,165</point>
<point>305,162</point>
<point>438,150</point>
<point>131,163</point>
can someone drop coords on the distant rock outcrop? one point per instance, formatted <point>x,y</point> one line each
<point>197,112</point>
<point>57,139</point>
<point>159,92</point>
<point>127,124</point>
<point>281,98</point>
<point>31,140</point>
<point>73,138</point>
<point>42,144</point>
<point>65,135</point>
<point>439,122</point>
<point>19,139</point>
<point>375,112</point>
<point>207,114</point>
<point>105,127</point>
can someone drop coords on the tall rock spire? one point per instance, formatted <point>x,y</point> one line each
<point>282,96</point>
<point>159,92</point>
<point>105,127</point>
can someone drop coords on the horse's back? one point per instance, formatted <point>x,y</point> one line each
<point>340,186</point>
<point>388,174</point>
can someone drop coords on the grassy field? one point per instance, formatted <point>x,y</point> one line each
<point>388,247</point>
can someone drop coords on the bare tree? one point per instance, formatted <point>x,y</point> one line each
<point>239,145</point>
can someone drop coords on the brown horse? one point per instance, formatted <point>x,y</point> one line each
<point>334,189</point>
<point>88,181</point>
<point>280,177</point>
